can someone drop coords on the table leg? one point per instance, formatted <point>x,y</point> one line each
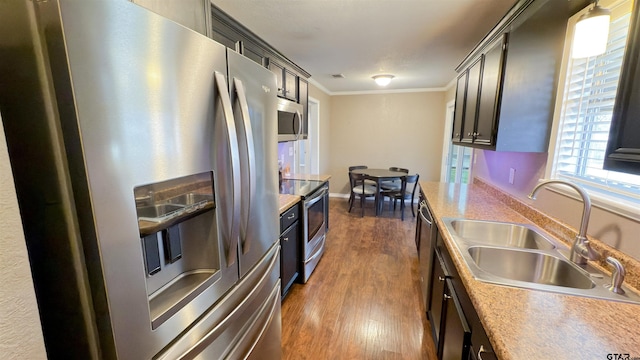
<point>377,201</point>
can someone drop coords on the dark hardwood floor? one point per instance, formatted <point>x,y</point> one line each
<point>363,299</point>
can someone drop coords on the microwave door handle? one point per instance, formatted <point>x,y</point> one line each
<point>300,124</point>
<point>245,136</point>
<point>232,189</point>
<point>294,120</point>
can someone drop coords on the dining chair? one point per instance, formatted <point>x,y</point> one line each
<point>393,184</point>
<point>359,188</point>
<point>407,192</point>
<point>357,167</point>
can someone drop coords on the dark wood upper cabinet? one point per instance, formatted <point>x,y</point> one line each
<point>290,85</point>
<point>471,101</point>
<point>623,148</point>
<point>303,96</point>
<point>458,112</point>
<point>278,70</point>
<point>521,59</point>
<point>490,92</point>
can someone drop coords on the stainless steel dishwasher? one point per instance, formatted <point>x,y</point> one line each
<point>425,239</point>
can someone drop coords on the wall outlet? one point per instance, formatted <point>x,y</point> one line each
<point>291,151</point>
<point>512,175</point>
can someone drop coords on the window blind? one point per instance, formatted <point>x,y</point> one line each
<point>587,107</point>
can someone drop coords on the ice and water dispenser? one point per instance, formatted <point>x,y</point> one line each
<point>178,236</point>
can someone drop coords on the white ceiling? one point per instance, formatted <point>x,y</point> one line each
<point>419,41</point>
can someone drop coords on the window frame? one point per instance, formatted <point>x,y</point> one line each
<point>626,207</point>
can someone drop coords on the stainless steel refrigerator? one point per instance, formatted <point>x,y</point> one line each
<point>144,157</point>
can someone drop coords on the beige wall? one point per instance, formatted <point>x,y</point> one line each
<point>20,332</point>
<point>383,130</point>
<point>450,93</point>
<point>325,126</point>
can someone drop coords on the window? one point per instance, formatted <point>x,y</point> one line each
<point>587,99</point>
<point>459,164</point>
<point>456,164</point>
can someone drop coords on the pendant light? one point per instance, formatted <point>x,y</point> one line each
<point>383,80</point>
<point>591,32</point>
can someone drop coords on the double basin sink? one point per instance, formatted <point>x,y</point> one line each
<point>521,255</point>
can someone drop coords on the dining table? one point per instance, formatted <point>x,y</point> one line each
<point>379,175</point>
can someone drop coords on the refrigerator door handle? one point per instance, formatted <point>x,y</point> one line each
<point>248,154</point>
<point>232,147</point>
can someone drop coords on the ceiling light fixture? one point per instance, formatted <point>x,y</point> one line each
<point>383,80</point>
<point>591,32</point>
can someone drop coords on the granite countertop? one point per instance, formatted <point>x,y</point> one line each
<point>287,201</point>
<point>531,324</point>
<point>318,177</point>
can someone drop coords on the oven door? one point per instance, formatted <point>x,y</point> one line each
<point>314,218</point>
<point>315,208</point>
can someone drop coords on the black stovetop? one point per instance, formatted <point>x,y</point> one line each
<point>301,188</point>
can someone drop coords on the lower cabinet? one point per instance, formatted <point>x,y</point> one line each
<point>289,247</point>
<point>456,328</point>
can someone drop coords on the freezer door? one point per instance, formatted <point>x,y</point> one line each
<point>245,324</point>
<point>253,94</point>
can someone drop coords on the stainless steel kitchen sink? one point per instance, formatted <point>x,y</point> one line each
<point>527,266</point>
<point>521,255</point>
<point>501,234</point>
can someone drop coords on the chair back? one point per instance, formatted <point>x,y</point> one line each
<point>356,167</point>
<point>409,184</point>
<point>356,179</point>
<point>399,169</point>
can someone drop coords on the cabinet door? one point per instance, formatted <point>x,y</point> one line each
<point>253,52</point>
<point>290,85</point>
<point>458,112</point>
<point>303,99</point>
<point>471,102</point>
<point>623,148</point>
<point>279,71</point>
<point>434,314</point>
<point>455,332</point>
<point>289,256</point>
<point>488,106</point>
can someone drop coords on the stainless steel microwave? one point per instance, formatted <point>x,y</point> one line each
<point>292,124</point>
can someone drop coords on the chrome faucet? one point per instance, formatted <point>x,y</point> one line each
<point>581,250</point>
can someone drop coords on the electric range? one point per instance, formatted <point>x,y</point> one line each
<point>315,219</point>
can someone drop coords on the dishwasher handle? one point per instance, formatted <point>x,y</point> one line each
<point>423,206</point>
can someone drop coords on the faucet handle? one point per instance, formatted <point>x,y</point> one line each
<point>617,277</point>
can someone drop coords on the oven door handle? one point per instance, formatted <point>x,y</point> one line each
<point>317,196</point>
<point>317,253</point>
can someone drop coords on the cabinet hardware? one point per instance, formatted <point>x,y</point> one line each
<point>291,216</point>
<point>447,297</point>
<point>441,278</point>
<point>285,239</point>
<point>480,351</point>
